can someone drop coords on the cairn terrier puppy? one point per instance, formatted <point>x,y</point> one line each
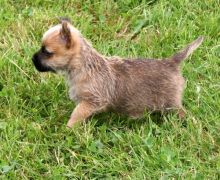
<point>98,83</point>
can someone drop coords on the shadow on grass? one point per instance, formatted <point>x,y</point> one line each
<point>121,121</point>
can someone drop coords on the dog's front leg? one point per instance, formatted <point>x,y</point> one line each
<point>82,111</point>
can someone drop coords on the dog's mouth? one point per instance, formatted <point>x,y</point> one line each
<point>40,66</point>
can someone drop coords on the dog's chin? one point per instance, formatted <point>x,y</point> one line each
<point>41,67</point>
<point>45,69</point>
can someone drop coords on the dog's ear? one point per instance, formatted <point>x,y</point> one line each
<point>65,33</point>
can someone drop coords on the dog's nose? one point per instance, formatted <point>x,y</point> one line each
<point>34,57</point>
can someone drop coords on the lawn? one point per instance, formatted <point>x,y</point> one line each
<point>34,107</point>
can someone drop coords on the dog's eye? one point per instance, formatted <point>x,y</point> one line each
<point>46,52</point>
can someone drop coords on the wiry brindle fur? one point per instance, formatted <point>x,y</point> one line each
<point>98,83</point>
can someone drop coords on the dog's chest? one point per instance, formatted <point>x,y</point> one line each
<point>79,87</point>
<point>73,93</point>
<point>75,89</point>
<point>96,89</point>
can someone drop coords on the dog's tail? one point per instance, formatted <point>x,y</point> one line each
<point>185,52</point>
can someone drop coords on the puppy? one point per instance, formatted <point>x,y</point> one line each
<point>98,83</point>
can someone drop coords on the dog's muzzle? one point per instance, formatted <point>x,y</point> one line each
<point>39,65</point>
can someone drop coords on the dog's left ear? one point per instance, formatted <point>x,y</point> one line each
<point>65,33</point>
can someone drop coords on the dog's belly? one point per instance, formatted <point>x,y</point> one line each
<point>136,107</point>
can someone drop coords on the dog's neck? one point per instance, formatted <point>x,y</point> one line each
<point>89,65</point>
<point>88,59</point>
<point>89,55</point>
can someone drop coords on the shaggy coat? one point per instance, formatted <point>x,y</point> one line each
<point>98,83</point>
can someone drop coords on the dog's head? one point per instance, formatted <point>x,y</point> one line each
<point>59,46</point>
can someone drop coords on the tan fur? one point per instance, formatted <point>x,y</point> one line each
<point>82,111</point>
<point>98,83</point>
<point>57,45</point>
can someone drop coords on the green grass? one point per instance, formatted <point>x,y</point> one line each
<point>34,107</point>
